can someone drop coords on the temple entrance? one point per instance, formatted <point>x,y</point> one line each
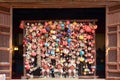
<point>47,14</point>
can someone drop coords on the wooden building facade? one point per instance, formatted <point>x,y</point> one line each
<point>112,29</point>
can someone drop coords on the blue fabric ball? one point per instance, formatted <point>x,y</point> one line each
<point>81,53</point>
<point>68,30</point>
<point>69,40</point>
<point>53,52</point>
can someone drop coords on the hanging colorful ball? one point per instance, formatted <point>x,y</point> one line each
<point>65,43</point>
<point>88,29</point>
<point>48,29</point>
<point>62,25</point>
<point>74,23</point>
<point>67,22</point>
<point>46,24</point>
<point>44,31</point>
<point>46,35</point>
<point>81,53</point>
<point>81,37</point>
<point>52,31</point>
<point>57,50</point>
<point>59,35</point>
<point>56,45</point>
<point>33,54</point>
<point>68,30</point>
<point>46,44</point>
<point>52,52</point>
<point>27,67</point>
<point>69,40</point>
<point>34,46</point>
<point>81,59</point>
<point>48,51</point>
<point>50,22</point>
<point>57,40</point>
<point>53,37</point>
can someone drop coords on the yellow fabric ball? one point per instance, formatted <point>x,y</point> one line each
<point>81,37</point>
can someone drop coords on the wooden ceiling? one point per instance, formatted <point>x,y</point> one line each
<point>58,3</point>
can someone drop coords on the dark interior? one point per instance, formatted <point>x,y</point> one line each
<point>58,14</point>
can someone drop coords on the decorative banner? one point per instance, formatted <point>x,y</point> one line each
<point>60,40</point>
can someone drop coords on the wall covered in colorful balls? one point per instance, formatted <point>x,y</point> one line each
<point>62,42</point>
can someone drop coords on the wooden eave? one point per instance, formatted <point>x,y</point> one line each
<point>58,3</point>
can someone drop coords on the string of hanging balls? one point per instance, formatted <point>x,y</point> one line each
<point>63,41</point>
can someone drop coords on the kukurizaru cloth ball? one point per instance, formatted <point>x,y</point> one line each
<point>81,53</point>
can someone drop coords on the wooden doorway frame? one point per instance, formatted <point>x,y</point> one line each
<point>51,5</point>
